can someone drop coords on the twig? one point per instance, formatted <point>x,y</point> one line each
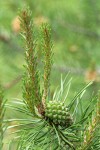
<point>7,40</point>
<point>79,29</point>
<point>12,83</point>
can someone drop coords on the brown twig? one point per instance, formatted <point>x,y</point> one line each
<point>7,40</point>
<point>79,29</point>
<point>12,83</point>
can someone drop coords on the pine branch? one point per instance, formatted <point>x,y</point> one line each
<point>61,124</point>
<point>47,51</point>
<point>89,134</point>
<point>31,92</point>
<point>1,117</point>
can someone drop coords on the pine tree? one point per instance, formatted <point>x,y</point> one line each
<point>50,122</point>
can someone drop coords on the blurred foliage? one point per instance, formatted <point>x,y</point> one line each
<point>76,39</point>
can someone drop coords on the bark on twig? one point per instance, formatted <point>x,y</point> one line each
<point>79,29</point>
<point>13,82</point>
<point>7,40</point>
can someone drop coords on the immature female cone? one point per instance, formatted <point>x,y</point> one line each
<point>58,113</point>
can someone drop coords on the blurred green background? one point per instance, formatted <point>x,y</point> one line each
<point>75,35</point>
<point>76,39</point>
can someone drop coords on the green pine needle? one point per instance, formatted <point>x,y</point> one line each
<point>31,89</point>
<point>2,111</point>
<point>47,52</point>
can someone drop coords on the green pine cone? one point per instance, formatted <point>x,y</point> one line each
<point>58,113</point>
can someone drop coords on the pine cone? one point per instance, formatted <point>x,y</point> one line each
<point>58,113</point>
